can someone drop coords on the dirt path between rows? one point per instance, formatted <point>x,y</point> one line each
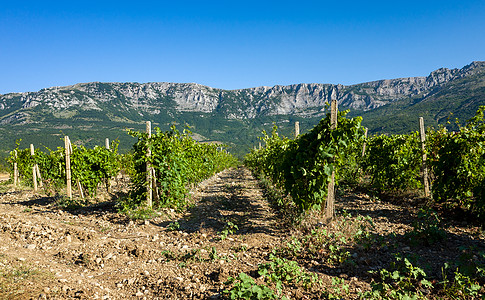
<point>96,253</point>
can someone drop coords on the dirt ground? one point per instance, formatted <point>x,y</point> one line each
<point>4,177</point>
<point>96,253</point>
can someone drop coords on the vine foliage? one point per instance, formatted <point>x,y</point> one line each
<point>458,165</point>
<point>394,162</point>
<point>302,167</point>
<point>90,166</point>
<point>178,160</point>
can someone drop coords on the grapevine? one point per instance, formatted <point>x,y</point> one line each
<point>458,165</point>
<point>90,166</point>
<point>178,160</point>
<point>393,162</point>
<point>302,167</point>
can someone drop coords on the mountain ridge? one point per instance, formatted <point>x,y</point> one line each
<point>197,97</point>
<point>200,98</point>
<point>214,112</point>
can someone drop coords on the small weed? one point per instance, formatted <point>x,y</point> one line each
<point>281,270</point>
<point>330,244</point>
<point>244,287</point>
<point>229,228</point>
<point>337,255</point>
<point>339,289</point>
<point>169,255</point>
<point>13,281</point>
<point>173,226</point>
<point>404,281</point>
<point>472,262</point>
<point>426,229</point>
<point>84,259</point>
<point>461,286</point>
<point>5,185</point>
<point>26,210</point>
<point>139,213</point>
<point>70,204</point>
<point>294,246</point>
<point>104,229</point>
<point>241,248</point>
<point>213,254</point>
<point>362,235</point>
<point>193,255</point>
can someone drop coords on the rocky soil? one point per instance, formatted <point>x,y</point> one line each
<point>96,253</point>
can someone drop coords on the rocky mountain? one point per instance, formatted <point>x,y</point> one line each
<point>107,106</point>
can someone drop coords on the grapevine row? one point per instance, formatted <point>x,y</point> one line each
<point>177,160</point>
<point>301,167</point>
<point>90,167</point>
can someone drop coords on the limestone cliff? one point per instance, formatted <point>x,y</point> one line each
<point>298,99</point>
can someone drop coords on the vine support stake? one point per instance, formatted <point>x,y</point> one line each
<point>107,143</point>
<point>155,186</point>
<point>423,148</point>
<point>79,186</point>
<point>330,207</point>
<point>297,129</point>
<point>34,171</point>
<point>365,142</point>
<point>67,147</point>
<point>15,170</point>
<point>39,177</point>
<point>149,167</point>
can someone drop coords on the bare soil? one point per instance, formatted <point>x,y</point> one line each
<point>96,253</point>
<point>4,177</point>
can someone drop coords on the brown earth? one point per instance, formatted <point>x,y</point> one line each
<point>96,253</point>
<point>4,177</point>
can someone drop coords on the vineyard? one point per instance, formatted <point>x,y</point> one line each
<point>333,214</point>
<point>177,163</point>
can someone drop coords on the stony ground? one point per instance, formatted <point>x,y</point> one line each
<point>96,253</point>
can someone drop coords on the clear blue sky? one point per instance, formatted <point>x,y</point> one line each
<point>233,44</point>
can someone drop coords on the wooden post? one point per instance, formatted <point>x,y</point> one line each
<point>297,129</point>
<point>330,207</point>
<point>423,148</point>
<point>259,145</point>
<point>149,167</point>
<point>107,181</point>
<point>39,177</point>
<point>155,186</point>
<point>34,173</point>
<point>15,170</point>
<point>365,141</point>
<point>80,187</point>
<point>67,145</point>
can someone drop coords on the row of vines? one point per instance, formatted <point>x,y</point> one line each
<point>178,162</point>
<point>302,167</point>
<point>456,161</point>
<point>90,167</point>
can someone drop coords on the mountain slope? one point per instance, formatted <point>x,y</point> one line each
<point>89,112</point>
<point>458,98</point>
